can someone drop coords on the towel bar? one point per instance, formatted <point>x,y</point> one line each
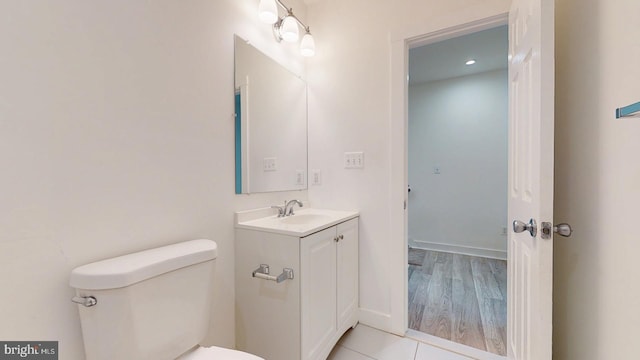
<point>262,272</point>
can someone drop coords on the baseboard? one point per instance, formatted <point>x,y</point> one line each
<point>451,346</point>
<point>459,249</point>
<point>377,320</point>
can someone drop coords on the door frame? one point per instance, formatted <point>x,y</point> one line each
<point>398,160</point>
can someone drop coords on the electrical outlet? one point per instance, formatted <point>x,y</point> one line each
<point>270,164</point>
<point>316,177</point>
<point>299,177</point>
<point>354,160</point>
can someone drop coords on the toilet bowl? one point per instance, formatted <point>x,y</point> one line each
<point>150,305</point>
<point>215,353</point>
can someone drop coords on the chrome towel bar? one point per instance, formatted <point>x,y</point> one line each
<point>262,272</point>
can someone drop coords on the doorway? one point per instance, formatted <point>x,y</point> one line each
<point>457,200</point>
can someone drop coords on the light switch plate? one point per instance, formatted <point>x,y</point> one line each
<point>270,164</point>
<point>354,160</point>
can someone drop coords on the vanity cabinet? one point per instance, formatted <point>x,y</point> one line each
<point>300,318</point>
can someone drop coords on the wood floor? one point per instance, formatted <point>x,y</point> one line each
<point>460,298</point>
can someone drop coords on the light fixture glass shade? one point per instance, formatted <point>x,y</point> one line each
<point>307,46</point>
<point>289,29</point>
<point>268,11</point>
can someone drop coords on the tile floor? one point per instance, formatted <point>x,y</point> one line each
<point>366,343</point>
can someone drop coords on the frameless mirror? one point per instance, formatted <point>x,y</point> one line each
<point>270,124</point>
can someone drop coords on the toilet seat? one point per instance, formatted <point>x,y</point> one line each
<point>217,353</point>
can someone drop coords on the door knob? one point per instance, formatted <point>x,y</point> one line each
<point>560,229</point>
<point>531,227</point>
<point>563,229</point>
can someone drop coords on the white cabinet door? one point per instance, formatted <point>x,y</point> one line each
<point>318,291</point>
<point>347,274</point>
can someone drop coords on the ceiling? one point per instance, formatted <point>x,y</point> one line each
<point>446,59</point>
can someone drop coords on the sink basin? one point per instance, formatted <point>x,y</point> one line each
<point>305,222</point>
<point>301,219</point>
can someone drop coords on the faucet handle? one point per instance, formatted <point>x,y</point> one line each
<point>280,210</point>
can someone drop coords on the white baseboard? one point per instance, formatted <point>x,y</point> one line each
<point>451,346</point>
<point>376,319</point>
<point>459,249</point>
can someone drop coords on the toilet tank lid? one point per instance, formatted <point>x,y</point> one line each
<point>129,269</point>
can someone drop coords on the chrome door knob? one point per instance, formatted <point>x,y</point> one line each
<point>563,229</point>
<point>560,229</point>
<point>531,227</point>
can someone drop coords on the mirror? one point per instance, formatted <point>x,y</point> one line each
<point>270,124</point>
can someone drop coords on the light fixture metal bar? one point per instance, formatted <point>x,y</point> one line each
<point>290,13</point>
<point>282,5</point>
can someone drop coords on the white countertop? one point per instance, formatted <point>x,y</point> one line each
<point>306,221</point>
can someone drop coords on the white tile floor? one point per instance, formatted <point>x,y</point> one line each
<point>366,343</point>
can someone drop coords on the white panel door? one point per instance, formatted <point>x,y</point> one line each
<point>531,121</point>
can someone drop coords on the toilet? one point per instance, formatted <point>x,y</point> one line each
<point>150,305</point>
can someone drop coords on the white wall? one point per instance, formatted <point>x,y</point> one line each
<point>349,108</point>
<point>597,180</point>
<point>459,125</point>
<point>116,134</point>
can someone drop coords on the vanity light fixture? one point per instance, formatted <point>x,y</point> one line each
<point>470,62</point>
<point>307,46</point>
<point>286,27</point>
<point>268,11</point>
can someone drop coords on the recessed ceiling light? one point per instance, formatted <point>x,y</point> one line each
<point>470,62</point>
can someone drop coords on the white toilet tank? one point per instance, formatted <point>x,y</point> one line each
<point>152,304</point>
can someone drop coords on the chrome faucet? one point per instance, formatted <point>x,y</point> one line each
<point>289,206</point>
